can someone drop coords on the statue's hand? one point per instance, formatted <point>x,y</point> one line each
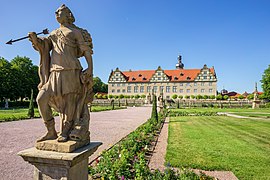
<point>33,37</point>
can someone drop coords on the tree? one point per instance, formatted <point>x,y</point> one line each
<point>226,97</point>
<point>241,97</point>
<point>266,83</point>
<point>31,112</point>
<point>219,97</point>
<point>110,96</point>
<point>250,96</point>
<point>205,97</point>
<point>154,115</point>
<point>137,96</point>
<point>187,96</point>
<point>143,96</point>
<point>121,96</point>
<point>212,96</point>
<point>25,77</point>
<point>99,86</point>
<point>174,96</point>
<point>180,97</point>
<point>192,97</point>
<point>199,96</point>
<point>5,79</point>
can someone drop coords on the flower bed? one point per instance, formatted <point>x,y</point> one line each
<point>129,158</point>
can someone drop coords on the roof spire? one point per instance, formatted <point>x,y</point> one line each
<point>179,65</point>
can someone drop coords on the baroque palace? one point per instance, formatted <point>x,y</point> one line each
<point>179,81</point>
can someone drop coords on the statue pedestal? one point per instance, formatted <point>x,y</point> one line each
<point>51,165</point>
<point>256,104</point>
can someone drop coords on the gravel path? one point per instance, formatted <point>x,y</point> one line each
<point>107,126</point>
<point>158,159</point>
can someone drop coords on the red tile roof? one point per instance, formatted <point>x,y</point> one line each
<point>174,75</point>
<point>138,76</point>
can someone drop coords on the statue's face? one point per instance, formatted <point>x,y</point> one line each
<point>61,15</point>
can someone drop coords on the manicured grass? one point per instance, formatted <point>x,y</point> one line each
<point>21,113</point>
<point>105,108</point>
<point>15,114</point>
<point>253,114</point>
<point>221,143</point>
<point>261,110</point>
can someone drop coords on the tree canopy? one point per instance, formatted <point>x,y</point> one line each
<point>266,83</point>
<point>99,86</point>
<point>17,78</point>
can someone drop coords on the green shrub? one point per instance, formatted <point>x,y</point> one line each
<point>31,111</point>
<point>154,115</point>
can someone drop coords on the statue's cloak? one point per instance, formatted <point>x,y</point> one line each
<point>44,47</point>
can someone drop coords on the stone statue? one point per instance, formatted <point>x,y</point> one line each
<point>64,86</point>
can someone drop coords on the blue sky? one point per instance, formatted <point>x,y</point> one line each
<point>231,35</point>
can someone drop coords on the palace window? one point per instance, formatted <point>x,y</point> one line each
<point>148,89</point>
<point>142,89</point>
<point>210,83</point>
<point>195,84</point>
<point>210,90</point>
<point>112,85</point>
<point>118,85</point>
<point>174,89</point>
<point>113,90</point>
<point>202,84</point>
<point>135,89</point>
<point>202,90</point>
<point>161,88</point>
<point>167,89</point>
<point>123,90</point>
<point>129,89</point>
<point>155,88</point>
<point>118,90</point>
<point>195,90</point>
<point>187,84</point>
<point>181,90</point>
<point>188,90</point>
<point>181,84</point>
<point>159,78</point>
<point>204,77</point>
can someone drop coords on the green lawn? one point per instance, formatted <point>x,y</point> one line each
<point>253,114</point>
<point>221,143</point>
<point>105,108</point>
<point>15,114</point>
<point>21,113</point>
<point>236,110</point>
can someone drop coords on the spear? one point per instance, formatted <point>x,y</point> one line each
<point>45,31</point>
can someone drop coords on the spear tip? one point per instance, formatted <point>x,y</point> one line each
<point>9,42</point>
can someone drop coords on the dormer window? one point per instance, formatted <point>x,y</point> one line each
<point>140,75</point>
<point>175,78</point>
<point>144,78</point>
<point>133,79</point>
<point>181,74</point>
<point>188,78</point>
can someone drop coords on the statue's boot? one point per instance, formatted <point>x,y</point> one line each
<point>63,136</point>
<point>51,134</point>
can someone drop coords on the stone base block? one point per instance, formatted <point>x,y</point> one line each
<point>65,147</point>
<point>50,165</point>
